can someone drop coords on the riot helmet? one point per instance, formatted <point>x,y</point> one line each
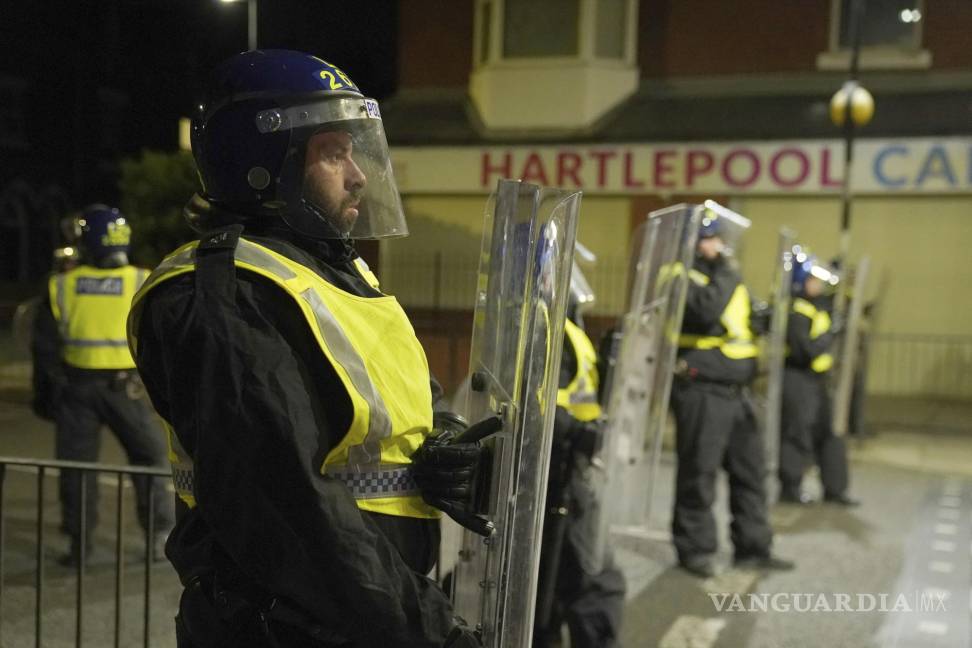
<point>807,271</point>
<point>720,231</point>
<point>105,236</point>
<point>287,138</point>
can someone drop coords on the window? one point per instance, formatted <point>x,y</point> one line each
<point>610,28</point>
<point>538,28</point>
<point>890,35</point>
<point>887,23</point>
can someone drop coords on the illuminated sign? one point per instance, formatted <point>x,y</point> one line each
<point>925,165</point>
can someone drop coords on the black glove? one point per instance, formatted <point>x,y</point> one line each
<point>585,438</point>
<point>462,637</point>
<point>837,324</point>
<point>760,317</point>
<point>445,469</point>
<point>48,392</point>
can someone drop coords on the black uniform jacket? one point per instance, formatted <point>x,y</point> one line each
<point>801,349</point>
<point>258,406</point>
<point>704,306</point>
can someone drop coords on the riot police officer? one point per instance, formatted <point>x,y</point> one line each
<point>571,589</point>
<point>85,377</point>
<point>295,392</point>
<point>806,427</point>
<point>715,423</point>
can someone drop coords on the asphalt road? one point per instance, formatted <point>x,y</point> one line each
<point>911,537</point>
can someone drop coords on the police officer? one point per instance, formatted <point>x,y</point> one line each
<point>806,428</point>
<point>295,392</point>
<point>85,377</point>
<point>570,590</point>
<point>714,418</point>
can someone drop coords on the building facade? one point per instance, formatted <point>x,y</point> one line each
<point>646,104</point>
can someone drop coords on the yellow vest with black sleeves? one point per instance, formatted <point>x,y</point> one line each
<point>375,354</point>
<point>579,397</point>
<point>737,343</point>
<point>819,324</point>
<point>91,307</point>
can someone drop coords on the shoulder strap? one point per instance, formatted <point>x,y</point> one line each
<point>215,267</point>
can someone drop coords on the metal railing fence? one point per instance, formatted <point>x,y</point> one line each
<point>922,365</point>
<point>44,469</point>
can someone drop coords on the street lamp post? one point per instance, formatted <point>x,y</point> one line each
<point>851,106</point>
<point>251,22</point>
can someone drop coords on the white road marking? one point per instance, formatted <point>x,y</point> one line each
<point>933,627</point>
<point>941,566</point>
<point>946,529</point>
<point>949,514</point>
<point>690,631</point>
<point>943,545</point>
<point>950,500</point>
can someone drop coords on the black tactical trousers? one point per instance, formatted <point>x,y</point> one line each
<point>716,427</point>
<point>86,404</point>
<point>807,435</point>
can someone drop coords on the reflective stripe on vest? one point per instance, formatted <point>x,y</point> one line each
<point>819,324</point>
<point>579,397</point>
<point>388,385</point>
<point>91,307</point>
<point>737,343</point>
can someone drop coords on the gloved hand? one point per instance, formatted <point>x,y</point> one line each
<point>445,469</point>
<point>585,437</point>
<point>837,324</point>
<point>462,637</point>
<point>760,318</point>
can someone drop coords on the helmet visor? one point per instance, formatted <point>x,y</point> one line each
<point>725,224</point>
<point>347,173</point>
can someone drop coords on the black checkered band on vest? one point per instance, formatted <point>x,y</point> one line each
<point>385,482</point>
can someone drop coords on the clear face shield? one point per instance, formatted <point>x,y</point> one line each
<point>581,294</point>
<point>727,226</point>
<point>346,178</point>
<point>820,279</point>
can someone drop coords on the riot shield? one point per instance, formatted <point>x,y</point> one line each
<point>847,354</point>
<point>774,355</point>
<point>638,385</point>
<point>524,278</point>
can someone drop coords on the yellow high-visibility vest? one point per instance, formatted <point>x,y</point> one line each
<point>579,397</point>
<point>819,324</point>
<point>375,354</point>
<point>91,307</point>
<point>737,343</point>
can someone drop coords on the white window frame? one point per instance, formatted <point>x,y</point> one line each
<point>586,24</point>
<point>875,57</point>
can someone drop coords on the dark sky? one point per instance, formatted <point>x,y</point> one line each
<point>151,59</point>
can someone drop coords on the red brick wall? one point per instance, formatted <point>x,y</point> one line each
<point>435,43</point>
<point>709,37</point>
<point>946,33</point>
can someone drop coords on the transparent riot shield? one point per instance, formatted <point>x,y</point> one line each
<point>638,385</point>
<point>847,354</point>
<point>524,278</point>
<point>774,354</point>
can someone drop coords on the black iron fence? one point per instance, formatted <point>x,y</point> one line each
<point>920,365</point>
<point>100,613</point>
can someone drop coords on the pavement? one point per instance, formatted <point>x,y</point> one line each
<point>895,572</point>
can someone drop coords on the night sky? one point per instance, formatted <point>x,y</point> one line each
<point>151,59</point>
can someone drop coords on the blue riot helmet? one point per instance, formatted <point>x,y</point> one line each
<point>105,236</point>
<point>806,265</point>
<point>726,225</point>
<point>287,138</point>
